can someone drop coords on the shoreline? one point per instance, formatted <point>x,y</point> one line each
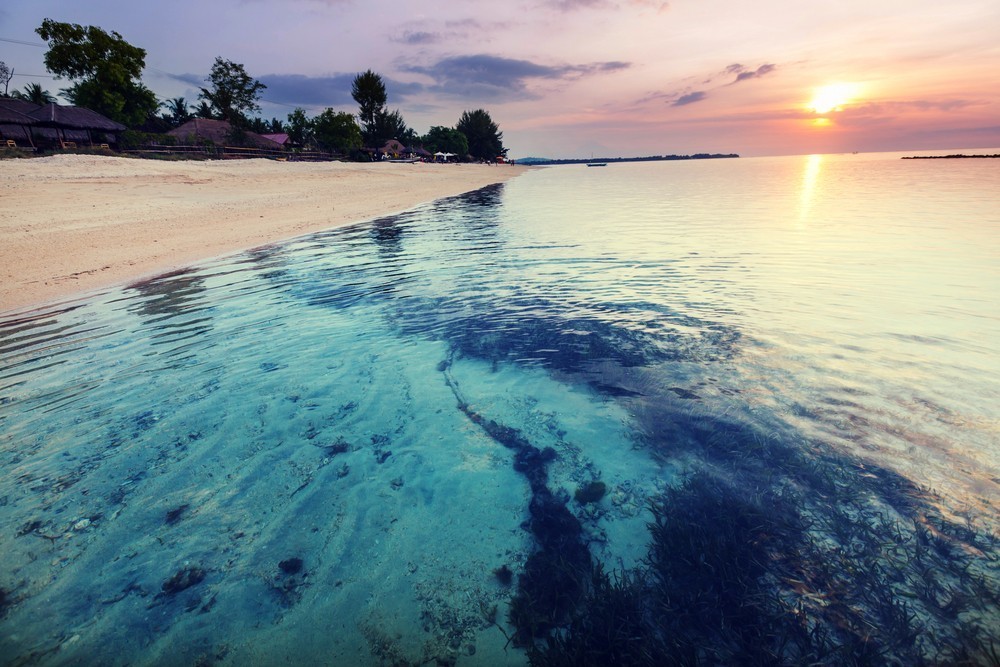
<point>73,224</point>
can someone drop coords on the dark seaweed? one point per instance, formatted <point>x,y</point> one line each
<point>554,577</point>
<point>291,565</point>
<point>770,555</point>
<point>182,580</point>
<point>504,575</point>
<point>591,492</point>
<point>174,515</point>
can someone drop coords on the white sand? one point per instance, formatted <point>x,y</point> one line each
<point>75,223</point>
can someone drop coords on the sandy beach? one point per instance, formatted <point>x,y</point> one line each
<point>75,223</point>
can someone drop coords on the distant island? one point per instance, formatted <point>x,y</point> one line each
<point>947,157</point>
<point>650,158</point>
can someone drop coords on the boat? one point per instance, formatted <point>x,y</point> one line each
<point>597,164</point>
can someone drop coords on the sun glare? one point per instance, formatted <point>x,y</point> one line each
<point>832,97</point>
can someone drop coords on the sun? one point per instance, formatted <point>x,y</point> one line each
<point>832,97</point>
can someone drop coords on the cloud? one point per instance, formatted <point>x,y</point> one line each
<point>426,32</point>
<point>752,74</point>
<point>308,91</point>
<point>575,5</point>
<point>326,91</point>
<point>690,98</point>
<point>684,95</point>
<point>331,3</point>
<point>489,77</point>
<point>417,37</point>
<point>196,80</point>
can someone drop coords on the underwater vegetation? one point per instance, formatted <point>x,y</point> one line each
<point>591,492</point>
<point>824,561</point>
<point>552,582</point>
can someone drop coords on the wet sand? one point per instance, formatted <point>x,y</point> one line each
<point>70,224</point>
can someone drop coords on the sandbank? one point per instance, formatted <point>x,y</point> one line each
<point>74,223</point>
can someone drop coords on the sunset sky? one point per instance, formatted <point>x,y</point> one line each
<point>571,78</point>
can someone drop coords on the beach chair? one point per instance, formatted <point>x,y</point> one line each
<point>67,144</point>
<point>11,143</point>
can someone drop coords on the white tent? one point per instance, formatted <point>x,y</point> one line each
<point>444,156</point>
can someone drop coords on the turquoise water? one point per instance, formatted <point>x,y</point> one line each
<point>331,450</point>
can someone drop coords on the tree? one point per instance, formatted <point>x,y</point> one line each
<point>178,112</point>
<point>368,91</point>
<point>388,125</point>
<point>336,131</point>
<point>204,110</point>
<point>299,127</point>
<point>446,140</point>
<point>409,137</point>
<point>6,74</point>
<point>105,67</point>
<point>34,93</point>
<point>485,137</point>
<point>234,93</point>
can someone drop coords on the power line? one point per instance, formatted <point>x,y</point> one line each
<point>23,43</point>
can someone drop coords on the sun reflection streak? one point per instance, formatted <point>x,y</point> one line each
<point>809,179</point>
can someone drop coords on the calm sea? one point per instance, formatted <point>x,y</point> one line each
<point>728,411</point>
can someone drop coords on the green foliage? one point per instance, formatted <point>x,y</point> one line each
<point>178,111</point>
<point>105,67</point>
<point>233,93</point>
<point>131,104</point>
<point>204,110</point>
<point>368,90</point>
<point>336,131</point>
<point>446,140</point>
<point>388,125</point>
<point>299,127</point>
<point>484,136</point>
<point>409,136</point>
<point>34,93</point>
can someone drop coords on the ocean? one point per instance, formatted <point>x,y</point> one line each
<point>722,411</point>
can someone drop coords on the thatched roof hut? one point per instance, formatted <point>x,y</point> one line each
<point>68,123</point>
<point>281,138</point>
<point>394,148</point>
<point>15,121</point>
<point>218,132</point>
<point>11,108</point>
<point>74,118</point>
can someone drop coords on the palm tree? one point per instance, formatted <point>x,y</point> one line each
<point>178,112</point>
<point>204,110</point>
<point>34,93</point>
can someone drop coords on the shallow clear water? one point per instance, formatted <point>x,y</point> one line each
<point>287,455</point>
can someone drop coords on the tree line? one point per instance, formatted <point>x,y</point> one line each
<point>105,71</point>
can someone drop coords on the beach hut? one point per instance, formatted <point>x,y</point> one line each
<point>15,122</point>
<point>393,148</point>
<point>72,124</point>
<point>220,133</point>
<point>281,138</point>
<point>418,152</point>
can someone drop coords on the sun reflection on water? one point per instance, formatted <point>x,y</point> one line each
<point>810,177</point>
